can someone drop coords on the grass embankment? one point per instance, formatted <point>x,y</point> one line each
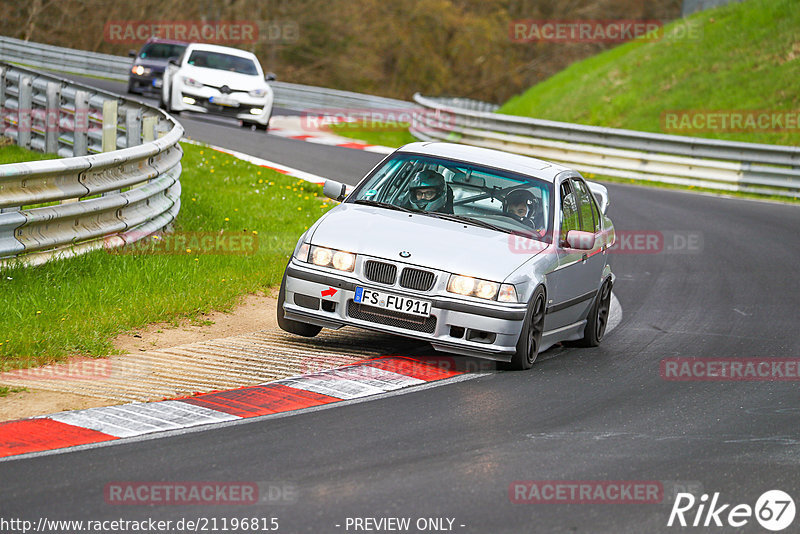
<point>736,59</point>
<point>78,306</point>
<point>393,135</point>
<point>739,57</point>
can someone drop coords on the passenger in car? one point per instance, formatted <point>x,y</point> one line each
<point>522,206</point>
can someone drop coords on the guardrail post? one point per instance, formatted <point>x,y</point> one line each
<point>80,146</point>
<point>24,112</point>
<point>51,126</point>
<point>109,125</point>
<point>2,101</point>
<point>149,128</point>
<point>133,127</point>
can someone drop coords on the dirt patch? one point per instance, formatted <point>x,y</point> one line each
<point>254,312</point>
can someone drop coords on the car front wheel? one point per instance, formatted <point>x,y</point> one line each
<point>530,338</point>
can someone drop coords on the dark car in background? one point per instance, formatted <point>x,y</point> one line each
<point>149,63</point>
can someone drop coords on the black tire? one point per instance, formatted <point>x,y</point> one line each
<point>530,338</point>
<point>598,317</point>
<point>293,327</point>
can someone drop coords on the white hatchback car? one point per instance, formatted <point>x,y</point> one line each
<point>221,81</point>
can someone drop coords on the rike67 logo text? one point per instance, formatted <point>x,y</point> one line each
<point>774,510</point>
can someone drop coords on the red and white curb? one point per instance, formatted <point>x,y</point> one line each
<point>295,127</point>
<point>111,423</point>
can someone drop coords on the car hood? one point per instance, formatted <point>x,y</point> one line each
<point>433,243</point>
<point>218,78</point>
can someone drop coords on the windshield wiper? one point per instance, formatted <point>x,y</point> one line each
<point>368,202</point>
<point>467,220</point>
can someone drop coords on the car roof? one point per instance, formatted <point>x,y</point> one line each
<point>221,49</point>
<point>154,40</point>
<point>544,170</point>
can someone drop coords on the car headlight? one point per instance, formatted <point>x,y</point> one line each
<point>191,82</point>
<point>301,253</point>
<point>484,289</point>
<point>139,70</point>
<point>258,93</point>
<point>337,259</point>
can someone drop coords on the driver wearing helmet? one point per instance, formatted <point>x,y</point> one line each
<point>427,191</point>
<point>522,206</point>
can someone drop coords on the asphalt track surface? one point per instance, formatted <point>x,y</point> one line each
<point>452,451</point>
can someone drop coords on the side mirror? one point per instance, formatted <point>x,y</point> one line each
<point>173,61</point>
<point>270,77</point>
<point>600,194</point>
<point>334,190</point>
<point>131,53</point>
<point>580,240</point>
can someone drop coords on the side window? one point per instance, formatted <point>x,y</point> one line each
<point>569,210</point>
<point>589,216</point>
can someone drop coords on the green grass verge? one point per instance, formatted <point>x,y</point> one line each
<point>78,306</point>
<point>393,136</point>
<point>743,56</point>
<point>5,390</point>
<point>15,154</point>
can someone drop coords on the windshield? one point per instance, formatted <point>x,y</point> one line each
<point>216,60</point>
<point>479,195</point>
<point>161,51</point>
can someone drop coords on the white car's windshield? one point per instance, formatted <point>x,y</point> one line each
<point>483,196</point>
<point>227,62</point>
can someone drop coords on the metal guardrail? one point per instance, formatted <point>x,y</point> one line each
<point>709,163</point>
<point>98,197</point>
<point>64,59</point>
<point>325,101</point>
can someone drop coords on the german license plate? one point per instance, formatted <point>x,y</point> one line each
<point>223,101</point>
<point>389,301</point>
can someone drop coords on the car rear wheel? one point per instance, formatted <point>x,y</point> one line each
<point>293,327</point>
<point>530,339</point>
<point>598,317</point>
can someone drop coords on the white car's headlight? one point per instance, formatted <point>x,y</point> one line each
<point>258,93</point>
<point>191,82</point>
<point>484,289</point>
<point>337,259</point>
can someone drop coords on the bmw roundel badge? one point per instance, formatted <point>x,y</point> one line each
<point>405,254</point>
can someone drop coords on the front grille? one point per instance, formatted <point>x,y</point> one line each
<point>391,318</point>
<point>377,271</point>
<point>417,279</point>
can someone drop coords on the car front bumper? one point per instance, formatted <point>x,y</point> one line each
<point>455,325</point>
<point>203,104</point>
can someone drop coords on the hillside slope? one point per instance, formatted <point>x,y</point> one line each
<point>740,58</point>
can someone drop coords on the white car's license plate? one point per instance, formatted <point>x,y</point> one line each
<point>223,101</point>
<point>389,301</point>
